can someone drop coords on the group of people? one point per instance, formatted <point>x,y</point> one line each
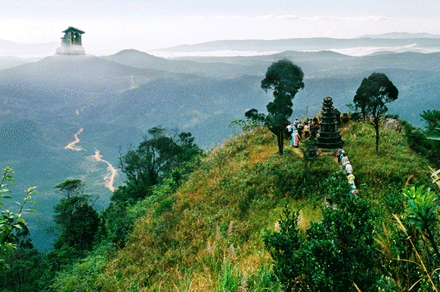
<point>297,130</point>
<point>347,168</point>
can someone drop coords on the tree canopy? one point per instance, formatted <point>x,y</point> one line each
<point>70,188</point>
<point>157,155</point>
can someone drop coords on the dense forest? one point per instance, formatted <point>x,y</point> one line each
<point>253,214</point>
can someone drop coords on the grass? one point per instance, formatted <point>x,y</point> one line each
<point>207,236</point>
<point>211,237</point>
<point>383,175</point>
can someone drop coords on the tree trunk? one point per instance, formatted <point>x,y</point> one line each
<point>376,126</point>
<point>280,140</point>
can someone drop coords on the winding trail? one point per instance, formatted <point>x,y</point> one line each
<point>133,85</point>
<point>110,177</point>
<point>71,145</point>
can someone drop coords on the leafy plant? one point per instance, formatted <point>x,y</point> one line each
<point>421,208</point>
<point>11,223</point>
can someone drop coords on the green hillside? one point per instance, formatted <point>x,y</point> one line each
<point>207,235</point>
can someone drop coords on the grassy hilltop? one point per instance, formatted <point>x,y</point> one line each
<point>208,235</point>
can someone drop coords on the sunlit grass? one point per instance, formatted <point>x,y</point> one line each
<point>211,237</point>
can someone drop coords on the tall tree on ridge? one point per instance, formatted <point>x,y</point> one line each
<point>285,79</point>
<point>372,95</point>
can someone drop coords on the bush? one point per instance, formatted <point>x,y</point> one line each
<point>330,256</point>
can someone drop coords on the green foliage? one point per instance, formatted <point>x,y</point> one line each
<point>115,225</point>
<point>84,276</point>
<point>245,125</point>
<point>333,252</point>
<point>420,207</point>
<point>29,271</point>
<point>75,218</point>
<point>153,158</point>
<point>433,120</point>
<point>12,225</point>
<point>285,80</point>
<point>154,170</point>
<point>71,188</point>
<point>373,93</point>
<point>283,247</point>
<point>228,279</point>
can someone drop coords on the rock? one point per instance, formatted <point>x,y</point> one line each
<point>393,124</point>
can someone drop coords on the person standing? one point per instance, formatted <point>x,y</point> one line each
<point>295,139</point>
<point>338,154</point>
<point>289,128</point>
<point>344,162</point>
<point>348,168</point>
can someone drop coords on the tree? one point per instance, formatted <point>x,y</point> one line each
<point>285,79</point>
<point>153,158</point>
<point>75,218</point>
<point>372,95</point>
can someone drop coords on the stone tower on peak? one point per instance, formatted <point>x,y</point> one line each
<point>71,43</point>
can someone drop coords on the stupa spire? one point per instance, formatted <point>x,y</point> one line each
<point>328,135</point>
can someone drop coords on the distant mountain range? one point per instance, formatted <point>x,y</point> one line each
<point>392,42</point>
<point>402,35</point>
<point>8,48</point>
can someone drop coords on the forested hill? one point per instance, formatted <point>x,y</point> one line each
<point>219,229</point>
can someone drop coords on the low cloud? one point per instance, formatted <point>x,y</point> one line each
<point>232,16</point>
<point>351,18</point>
<point>311,18</point>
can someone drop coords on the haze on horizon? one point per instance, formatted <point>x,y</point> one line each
<point>112,26</point>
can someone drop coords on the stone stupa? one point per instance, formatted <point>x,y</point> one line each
<point>328,135</point>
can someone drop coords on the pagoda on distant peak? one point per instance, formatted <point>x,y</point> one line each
<point>71,43</point>
<point>328,135</point>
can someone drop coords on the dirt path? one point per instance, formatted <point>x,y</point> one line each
<point>110,176</point>
<point>133,85</point>
<point>297,151</point>
<point>71,145</point>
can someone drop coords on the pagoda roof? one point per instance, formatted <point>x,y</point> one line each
<point>69,29</point>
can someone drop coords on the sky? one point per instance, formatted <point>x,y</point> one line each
<point>114,25</point>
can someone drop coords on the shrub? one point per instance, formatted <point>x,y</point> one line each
<point>334,254</point>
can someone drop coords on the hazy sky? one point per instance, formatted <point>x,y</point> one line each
<point>114,25</point>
